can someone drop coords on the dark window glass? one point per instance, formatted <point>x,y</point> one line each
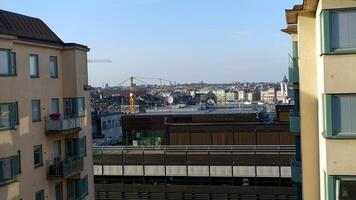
<point>36,110</point>
<point>37,154</point>
<point>34,69</point>
<point>53,66</point>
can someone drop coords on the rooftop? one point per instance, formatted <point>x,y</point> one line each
<point>30,29</point>
<point>194,110</point>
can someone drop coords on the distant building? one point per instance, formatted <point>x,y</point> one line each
<point>242,95</point>
<point>220,95</point>
<point>231,96</point>
<point>222,153</point>
<point>107,129</point>
<point>283,94</point>
<point>253,96</point>
<point>269,96</point>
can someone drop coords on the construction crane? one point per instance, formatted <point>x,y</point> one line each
<point>131,79</point>
<point>99,61</point>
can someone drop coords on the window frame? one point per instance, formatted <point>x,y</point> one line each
<point>11,56</point>
<point>56,67</point>
<point>38,147</point>
<point>37,75</point>
<point>331,184</point>
<point>13,116</point>
<point>39,110</point>
<point>328,129</point>
<point>15,170</point>
<point>74,104</point>
<point>325,21</point>
<point>57,102</point>
<point>40,192</point>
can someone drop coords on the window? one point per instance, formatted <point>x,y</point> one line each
<point>341,188</point>
<point>55,105</point>
<point>36,110</point>
<point>339,30</point>
<point>340,114</point>
<point>37,154</point>
<point>59,191</point>
<point>7,63</point>
<point>40,195</point>
<point>109,124</point>
<point>34,69</point>
<point>74,107</point>
<point>10,167</point>
<point>104,125</point>
<point>76,147</point>
<point>77,188</point>
<point>53,66</point>
<point>8,115</point>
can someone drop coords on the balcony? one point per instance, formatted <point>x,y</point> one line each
<point>65,168</point>
<point>296,170</point>
<point>293,74</point>
<point>62,126</point>
<point>294,123</point>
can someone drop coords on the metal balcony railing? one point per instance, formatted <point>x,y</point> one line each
<point>62,125</point>
<point>64,168</point>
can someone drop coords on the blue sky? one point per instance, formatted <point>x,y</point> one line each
<point>185,41</point>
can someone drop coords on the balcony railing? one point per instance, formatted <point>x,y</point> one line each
<point>64,168</point>
<point>296,170</point>
<point>294,123</point>
<point>293,74</point>
<point>62,125</point>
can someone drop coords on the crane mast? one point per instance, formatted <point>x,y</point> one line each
<point>132,98</point>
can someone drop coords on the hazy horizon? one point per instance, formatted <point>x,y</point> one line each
<point>179,40</point>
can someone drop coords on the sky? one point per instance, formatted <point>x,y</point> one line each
<point>215,41</point>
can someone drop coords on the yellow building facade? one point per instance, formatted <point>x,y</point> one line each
<point>45,122</point>
<point>325,34</point>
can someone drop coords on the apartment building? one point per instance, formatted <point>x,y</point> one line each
<point>323,35</point>
<point>231,96</point>
<point>44,113</point>
<point>269,96</point>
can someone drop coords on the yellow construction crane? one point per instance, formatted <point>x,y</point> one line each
<point>132,88</point>
<point>132,99</point>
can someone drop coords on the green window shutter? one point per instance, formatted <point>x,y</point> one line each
<point>328,123</point>
<point>325,19</point>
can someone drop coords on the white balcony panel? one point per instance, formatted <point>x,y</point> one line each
<point>198,170</point>
<point>98,170</point>
<point>133,170</point>
<point>221,171</point>
<point>244,171</point>
<point>267,171</point>
<point>286,172</point>
<point>154,170</point>
<point>112,170</point>
<point>176,170</point>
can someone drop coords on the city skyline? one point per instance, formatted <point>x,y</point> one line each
<point>182,41</point>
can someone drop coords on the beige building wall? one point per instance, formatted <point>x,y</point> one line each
<point>308,105</point>
<point>72,74</point>
<point>322,74</point>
